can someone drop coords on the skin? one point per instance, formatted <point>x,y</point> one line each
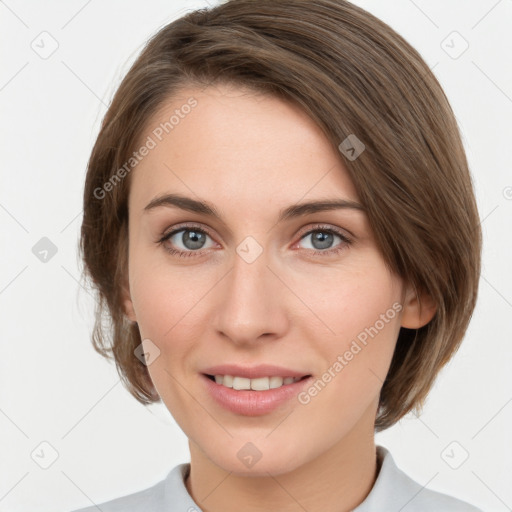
<point>250,156</point>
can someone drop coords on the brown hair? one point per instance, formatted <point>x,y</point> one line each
<point>353,75</point>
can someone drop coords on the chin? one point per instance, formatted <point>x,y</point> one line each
<point>258,458</point>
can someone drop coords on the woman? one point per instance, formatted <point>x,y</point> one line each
<point>280,221</point>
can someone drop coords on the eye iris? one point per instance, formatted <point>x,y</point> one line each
<point>193,239</point>
<point>322,240</point>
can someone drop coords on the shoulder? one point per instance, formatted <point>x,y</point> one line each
<point>158,497</point>
<point>395,490</point>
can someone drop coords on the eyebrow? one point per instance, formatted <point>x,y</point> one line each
<point>296,210</point>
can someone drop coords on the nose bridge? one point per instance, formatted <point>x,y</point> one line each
<point>251,299</point>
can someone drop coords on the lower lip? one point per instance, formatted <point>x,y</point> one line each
<point>250,402</point>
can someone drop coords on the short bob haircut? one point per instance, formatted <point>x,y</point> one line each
<point>353,75</point>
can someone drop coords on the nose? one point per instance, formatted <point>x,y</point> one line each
<point>251,303</point>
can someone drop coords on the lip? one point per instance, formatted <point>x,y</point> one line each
<point>250,402</point>
<point>253,372</point>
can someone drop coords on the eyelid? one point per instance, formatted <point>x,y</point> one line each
<point>186,225</point>
<point>326,227</point>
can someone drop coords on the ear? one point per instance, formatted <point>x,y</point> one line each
<point>129,310</point>
<point>418,309</point>
<point>126,299</point>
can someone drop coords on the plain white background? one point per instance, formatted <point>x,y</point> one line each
<point>97,441</point>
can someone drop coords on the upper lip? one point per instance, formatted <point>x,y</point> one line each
<point>253,372</point>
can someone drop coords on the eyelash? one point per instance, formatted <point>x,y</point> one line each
<point>316,252</point>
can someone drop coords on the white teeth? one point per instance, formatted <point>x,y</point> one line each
<point>275,382</point>
<point>241,383</point>
<point>259,384</point>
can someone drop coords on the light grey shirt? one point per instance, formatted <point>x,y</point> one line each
<point>393,491</point>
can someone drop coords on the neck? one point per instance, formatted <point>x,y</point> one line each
<point>338,479</point>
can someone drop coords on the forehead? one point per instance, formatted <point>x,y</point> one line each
<point>232,145</point>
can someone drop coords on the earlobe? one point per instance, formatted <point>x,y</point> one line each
<point>129,310</point>
<point>418,309</point>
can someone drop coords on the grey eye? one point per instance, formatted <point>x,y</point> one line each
<point>320,239</point>
<point>191,239</point>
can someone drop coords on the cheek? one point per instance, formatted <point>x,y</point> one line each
<point>170,306</point>
<point>167,298</point>
<point>361,313</point>
<point>350,300</point>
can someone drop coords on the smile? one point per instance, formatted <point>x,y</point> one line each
<point>258,384</point>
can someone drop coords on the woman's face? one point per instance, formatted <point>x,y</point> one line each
<point>243,283</point>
